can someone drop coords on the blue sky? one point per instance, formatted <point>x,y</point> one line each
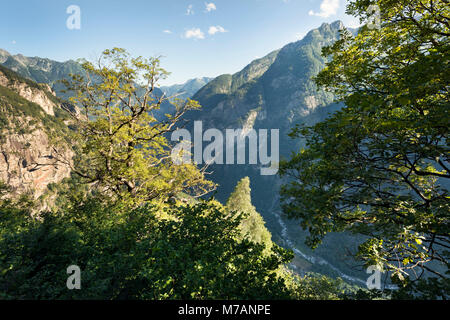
<point>195,38</point>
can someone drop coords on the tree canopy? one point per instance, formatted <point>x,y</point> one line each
<point>380,166</point>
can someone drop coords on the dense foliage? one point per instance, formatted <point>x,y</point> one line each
<point>380,166</point>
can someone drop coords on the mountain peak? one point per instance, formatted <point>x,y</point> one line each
<point>336,25</point>
<point>186,89</point>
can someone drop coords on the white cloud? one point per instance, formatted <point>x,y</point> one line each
<point>167,31</point>
<point>327,8</point>
<point>13,42</point>
<point>194,33</point>
<point>190,10</point>
<point>216,29</point>
<point>210,6</point>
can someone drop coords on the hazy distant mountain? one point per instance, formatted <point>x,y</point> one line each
<point>43,70</point>
<point>187,89</point>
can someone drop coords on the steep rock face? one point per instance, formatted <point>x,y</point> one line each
<point>27,163</point>
<point>273,92</point>
<point>28,121</point>
<point>187,89</point>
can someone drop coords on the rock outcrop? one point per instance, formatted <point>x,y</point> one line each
<point>28,156</point>
<point>28,164</point>
<point>38,96</point>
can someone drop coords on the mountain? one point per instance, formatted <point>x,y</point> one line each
<point>31,116</point>
<point>43,70</point>
<point>277,92</point>
<point>274,92</point>
<point>187,89</point>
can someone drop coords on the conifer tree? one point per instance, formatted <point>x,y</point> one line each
<point>252,226</point>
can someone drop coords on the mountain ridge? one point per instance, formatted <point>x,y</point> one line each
<point>30,117</point>
<point>187,89</point>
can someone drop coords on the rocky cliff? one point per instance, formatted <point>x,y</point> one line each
<point>27,163</point>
